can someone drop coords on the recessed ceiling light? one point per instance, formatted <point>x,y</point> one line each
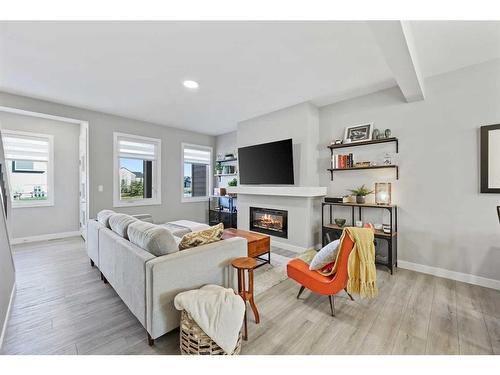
<point>191,84</point>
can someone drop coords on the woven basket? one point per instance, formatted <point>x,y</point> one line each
<point>193,341</point>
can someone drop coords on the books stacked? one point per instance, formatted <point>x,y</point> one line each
<point>342,161</point>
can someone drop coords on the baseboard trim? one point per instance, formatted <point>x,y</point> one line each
<point>452,275</point>
<point>7,315</point>
<point>44,237</point>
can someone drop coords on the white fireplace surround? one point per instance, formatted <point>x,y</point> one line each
<point>303,204</point>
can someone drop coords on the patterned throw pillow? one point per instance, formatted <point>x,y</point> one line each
<point>202,237</point>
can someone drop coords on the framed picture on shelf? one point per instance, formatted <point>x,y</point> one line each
<point>359,133</point>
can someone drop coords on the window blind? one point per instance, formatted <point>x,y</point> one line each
<point>135,149</point>
<point>195,155</point>
<point>23,147</point>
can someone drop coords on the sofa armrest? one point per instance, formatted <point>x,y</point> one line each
<point>92,241</point>
<point>168,275</point>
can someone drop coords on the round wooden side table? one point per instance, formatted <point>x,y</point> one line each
<point>248,264</point>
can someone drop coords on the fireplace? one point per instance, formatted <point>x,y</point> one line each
<point>269,221</point>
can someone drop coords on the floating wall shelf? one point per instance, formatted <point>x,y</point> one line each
<point>364,143</point>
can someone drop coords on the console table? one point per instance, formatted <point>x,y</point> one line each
<point>331,231</point>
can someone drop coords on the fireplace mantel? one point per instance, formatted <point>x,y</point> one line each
<point>283,191</point>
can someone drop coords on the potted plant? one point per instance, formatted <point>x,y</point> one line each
<point>361,193</point>
<point>218,168</point>
<point>233,182</point>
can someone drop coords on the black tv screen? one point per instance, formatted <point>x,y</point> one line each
<point>267,163</point>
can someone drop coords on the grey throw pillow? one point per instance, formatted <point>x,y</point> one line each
<point>119,224</point>
<point>103,217</point>
<point>325,256</point>
<point>155,239</point>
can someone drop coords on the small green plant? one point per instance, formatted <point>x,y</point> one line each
<point>218,167</point>
<point>361,191</point>
<point>233,182</point>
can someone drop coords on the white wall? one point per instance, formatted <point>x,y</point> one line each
<point>101,128</point>
<point>63,216</point>
<point>443,219</point>
<point>300,123</point>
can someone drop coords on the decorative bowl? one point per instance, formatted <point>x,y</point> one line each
<point>339,222</point>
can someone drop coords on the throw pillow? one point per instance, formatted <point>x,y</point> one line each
<point>119,224</point>
<point>325,256</point>
<point>103,217</point>
<point>202,237</point>
<point>153,238</point>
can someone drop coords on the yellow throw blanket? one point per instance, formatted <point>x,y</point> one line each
<point>361,271</point>
<point>362,274</point>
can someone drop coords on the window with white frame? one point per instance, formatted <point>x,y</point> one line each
<point>196,161</point>
<point>29,158</point>
<point>137,170</point>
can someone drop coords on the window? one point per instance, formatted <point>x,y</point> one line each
<point>137,166</point>
<point>196,161</point>
<point>29,158</point>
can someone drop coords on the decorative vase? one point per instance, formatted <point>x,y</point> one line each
<point>376,134</point>
<point>340,222</point>
<point>360,199</point>
<point>387,133</point>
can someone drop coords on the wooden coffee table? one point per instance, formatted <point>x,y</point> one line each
<point>258,244</point>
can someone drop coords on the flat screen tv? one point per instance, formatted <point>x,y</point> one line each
<point>267,163</point>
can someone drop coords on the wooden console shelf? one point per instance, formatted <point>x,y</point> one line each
<point>330,230</point>
<point>378,233</point>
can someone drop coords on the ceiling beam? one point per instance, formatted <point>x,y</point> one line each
<point>396,43</point>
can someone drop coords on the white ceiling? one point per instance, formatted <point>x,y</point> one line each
<point>444,46</point>
<point>136,69</point>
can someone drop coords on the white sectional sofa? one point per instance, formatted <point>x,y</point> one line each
<point>147,284</point>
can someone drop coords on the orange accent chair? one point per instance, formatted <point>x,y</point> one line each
<point>299,271</point>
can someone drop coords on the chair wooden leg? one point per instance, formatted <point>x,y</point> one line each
<point>151,340</point>
<point>352,299</point>
<point>332,304</point>
<point>91,263</point>
<point>300,291</point>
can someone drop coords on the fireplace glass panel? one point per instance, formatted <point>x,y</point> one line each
<point>269,221</point>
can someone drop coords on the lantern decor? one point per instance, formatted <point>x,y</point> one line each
<point>383,193</point>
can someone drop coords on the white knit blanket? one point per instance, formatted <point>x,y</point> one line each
<point>218,311</point>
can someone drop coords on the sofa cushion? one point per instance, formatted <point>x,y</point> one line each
<point>119,224</point>
<point>202,237</point>
<point>103,217</point>
<point>152,238</point>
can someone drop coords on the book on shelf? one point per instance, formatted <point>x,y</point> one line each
<point>340,161</point>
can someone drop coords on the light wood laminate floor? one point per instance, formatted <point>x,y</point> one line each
<point>62,307</point>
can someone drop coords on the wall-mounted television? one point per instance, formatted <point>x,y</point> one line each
<point>267,163</point>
